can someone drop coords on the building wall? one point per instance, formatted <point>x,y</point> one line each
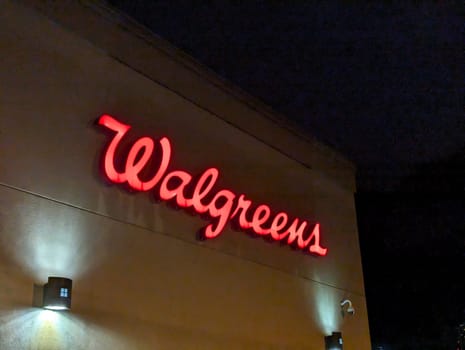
<point>141,279</point>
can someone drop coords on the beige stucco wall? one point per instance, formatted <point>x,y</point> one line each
<point>141,279</point>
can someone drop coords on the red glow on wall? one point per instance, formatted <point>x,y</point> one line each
<point>222,207</point>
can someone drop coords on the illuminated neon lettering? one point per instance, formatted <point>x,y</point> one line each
<point>279,222</point>
<point>109,165</point>
<point>221,211</point>
<point>315,247</point>
<point>177,192</point>
<point>223,205</point>
<point>296,231</point>
<point>202,188</point>
<point>243,205</point>
<point>260,216</point>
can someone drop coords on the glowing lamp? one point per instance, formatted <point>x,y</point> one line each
<point>57,293</point>
<point>334,341</point>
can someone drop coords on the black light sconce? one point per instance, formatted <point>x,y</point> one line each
<point>57,293</point>
<point>334,341</point>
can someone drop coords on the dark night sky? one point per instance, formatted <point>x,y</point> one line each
<point>382,82</point>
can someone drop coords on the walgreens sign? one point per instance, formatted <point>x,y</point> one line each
<point>145,168</point>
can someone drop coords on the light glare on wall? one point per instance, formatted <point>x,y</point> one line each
<point>57,294</point>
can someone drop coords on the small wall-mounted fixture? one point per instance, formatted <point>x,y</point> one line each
<point>334,341</point>
<point>57,293</point>
<point>350,309</point>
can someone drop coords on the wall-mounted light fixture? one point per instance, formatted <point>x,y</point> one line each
<point>334,341</point>
<point>57,293</point>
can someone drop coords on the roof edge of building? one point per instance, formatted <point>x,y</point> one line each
<point>112,31</point>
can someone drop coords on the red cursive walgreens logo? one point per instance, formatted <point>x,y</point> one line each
<point>180,186</point>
